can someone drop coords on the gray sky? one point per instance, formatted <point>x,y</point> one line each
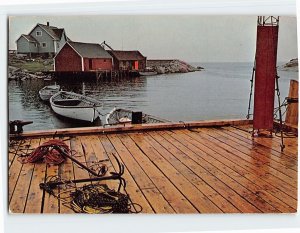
<point>190,38</point>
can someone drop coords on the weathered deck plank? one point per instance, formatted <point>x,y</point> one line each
<point>191,171</point>
<point>19,197</point>
<point>233,164</point>
<point>14,170</point>
<point>194,195</point>
<point>290,141</point>
<point>248,163</point>
<point>241,179</point>
<point>277,169</point>
<point>202,170</point>
<point>34,200</point>
<point>174,197</point>
<point>51,204</point>
<point>79,172</point>
<point>139,185</point>
<point>273,144</point>
<point>265,151</point>
<point>223,187</point>
<point>65,172</point>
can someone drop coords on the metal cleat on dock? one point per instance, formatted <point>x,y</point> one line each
<point>16,126</point>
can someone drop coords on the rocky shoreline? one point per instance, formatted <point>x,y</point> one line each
<point>21,68</point>
<point>15,73</point>
<point>171,66</point>
<point>292,65</point>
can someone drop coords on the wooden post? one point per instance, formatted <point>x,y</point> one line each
<point>292,110</point>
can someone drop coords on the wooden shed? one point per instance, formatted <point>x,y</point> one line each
<point>78,56</point>
<point>128,60</point>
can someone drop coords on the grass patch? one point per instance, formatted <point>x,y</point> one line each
<point>32,66</point>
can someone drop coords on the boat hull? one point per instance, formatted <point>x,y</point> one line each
<point>75,106</point>
<point>45,93</point>
<point>82,114</point>
<point>148,73</point>
<point>45,97</point>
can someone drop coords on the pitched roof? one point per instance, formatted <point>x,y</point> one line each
<point>126,55</point>
<point>54,32</point>
<point>89,50</point>
<point>29,38</point>
<point>58,32</point>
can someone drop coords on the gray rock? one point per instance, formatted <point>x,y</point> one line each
<point>183,70</point>
<point>33,76</point>
<point>160,70</point>
<point>172,66</point>
<point>292,63</point>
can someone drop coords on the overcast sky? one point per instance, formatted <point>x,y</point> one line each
<point>190,38</point>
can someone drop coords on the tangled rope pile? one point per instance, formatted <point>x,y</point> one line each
<point>47,152</point>
<point>97,199</point>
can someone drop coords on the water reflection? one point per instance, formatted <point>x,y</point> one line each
<point>24,102</point>
<point>220,91</point>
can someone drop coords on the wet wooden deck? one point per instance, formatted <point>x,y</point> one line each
<point>202,170</point>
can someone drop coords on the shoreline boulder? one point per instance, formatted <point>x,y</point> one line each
<point>171,66</point>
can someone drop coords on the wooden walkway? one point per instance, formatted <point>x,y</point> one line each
<point>202,170</point>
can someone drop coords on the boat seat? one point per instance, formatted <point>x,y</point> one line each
<point>67,102</point>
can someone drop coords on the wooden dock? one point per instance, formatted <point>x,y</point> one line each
<point>210,168</point>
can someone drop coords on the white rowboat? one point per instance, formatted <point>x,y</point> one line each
<point>75,106</point>
<point>124,116</point>
<point>46,92</point>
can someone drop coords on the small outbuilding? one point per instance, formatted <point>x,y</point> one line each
<point>128,60</point>
<point>78,56</point>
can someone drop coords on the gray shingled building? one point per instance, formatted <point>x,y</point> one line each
<point>42,40</point>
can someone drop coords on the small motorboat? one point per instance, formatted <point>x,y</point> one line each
<point>48,91</point>
<point>147,73</point>
<point>75,106</point>
<point>124,116</point>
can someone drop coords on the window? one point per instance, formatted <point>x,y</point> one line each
<point>58,45</point>
<point>44,44</point>
<point>35,45</point>
<point>38,33</point>
<point>104,60</point>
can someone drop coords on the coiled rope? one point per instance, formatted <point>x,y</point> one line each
<point>47,153</point>
<point>97,199</point>
<point>93,198</point>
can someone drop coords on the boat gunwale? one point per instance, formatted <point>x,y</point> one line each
<point>79,107</point>
<point>56,87</point>
<point>52,99</point>
<point>132,128</point>
<point>51,89</point>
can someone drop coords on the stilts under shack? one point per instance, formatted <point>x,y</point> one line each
<point>98,75</point>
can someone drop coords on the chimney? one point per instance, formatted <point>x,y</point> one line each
<point>48,24</point>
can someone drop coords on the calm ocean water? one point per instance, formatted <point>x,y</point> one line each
<point>220,91</point>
